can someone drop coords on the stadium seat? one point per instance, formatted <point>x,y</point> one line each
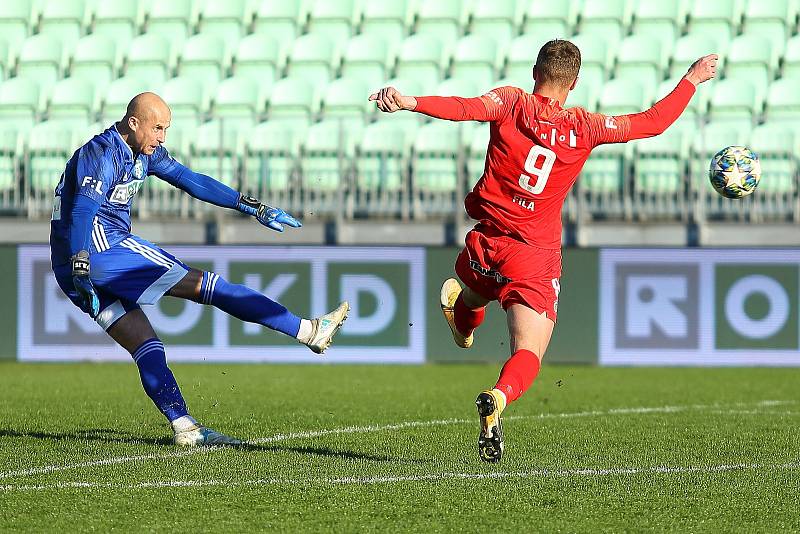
<point>583,96</point>
<point>15,25</point>
<point>688,49</point>
<point>381,182</point>
<point>475,58</point>
<point>436,170</point>
<point>292,99</point>
<point>622,96</point>
<point>50,145</point>
<point>408,122</point>
<point>72,100</point>
<point>442,19</point>
<point>312,58</point>
<point>119,21</point>
<point>10,148</point>
<point>659,174</point>
<point>149,57</point>
<point>420,58</point>
<point>775,145</point>
<point>476,160</point>
<point>187,99</point>
<point>238,101</point>
<point>41,59</point>
<point>736,100</point>
<point>333,19</point>
<point>697,106</point>
<point>215,149</point>
<point>750,58</point>
<point>172,20</point>
<point>640,58</point>
<point>601,181</point>
<point>498,20</point>
<point>95,60</point>
<point>520,58</point>
<point>550,20</point>
<point>464,87</point>
<point>270,164</point>
<point>608,19</point>
<point>227,20</point>
<point>64,21</point>
<point>661,20</point>
<point>791,58</point>
<point>324,165</point>
<point>388,20</point>
<point>204,58</point>
<point>783,101</point>
<point>279,19</point>
<point>258,57</point>
<point>19,104</point>
<point>119,93</point>
<point>366,58</point>
<point>773,19</point>
<point>595,59</point>
<point>346,100</point>
<point>717,18</point>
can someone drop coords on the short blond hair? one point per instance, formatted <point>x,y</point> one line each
<point>558,62</point>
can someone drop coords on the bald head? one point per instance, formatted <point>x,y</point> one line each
<point>145,123</point>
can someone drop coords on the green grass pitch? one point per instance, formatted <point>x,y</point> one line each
<point>358,448</point>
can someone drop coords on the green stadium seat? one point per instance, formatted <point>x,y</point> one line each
<point>661,20</point>
<point>420,58</point>
<point>750,57</point>
<point>498,20</point>
<point>583,96</point>
<point>734,100</point>
<point>187,99</point>
<point>640,58</point>
<point>791,58</point>
<point>119,93</point>
<point>388,20</point>
<point>595,59</point>
<point>173,20</point>
<point>259,57</point>
<point>64,21</point>
<point>720,18</point>
<point>215,149</point>
<point>333,19</point>
<point>279,19</point>
<point>95,60</point>
<point>366,58</point>
<point>783,101</point>
<point>773,19</point>
<point>15,25</point>
<point>204,58</point>
<point>50,145</point>
<point>775,145</point>
<point>312,58</point>
<point>600,183</point>
<point>324,162</point>
<point>608,19</point>
<point>10,147</point>
<point>436,170</point>
<point>476,160</point>
<point>660,169</point>
<point>271,161</point>
<point>238,101</point>
<point>19,104</point>
<point>475,58</point>
<point>464,87</point>
<point>520,58</point>
<point>346,100</point>
<point>622,96</point>
<point>72,100</point>
<point>41,59</point>
<point>688,49</point>
<point>697,105</point>
<point>443,19</point>
<point>227,20</point>
<point>119,21</point>
<point>549,20</point>
<point>381,182</point>
<point>292,99</point>
<point>149,57</point>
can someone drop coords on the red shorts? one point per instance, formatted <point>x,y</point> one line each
<point>501,268</point>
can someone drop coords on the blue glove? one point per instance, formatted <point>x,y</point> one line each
<point>270,217</point>
<point>83,285</point>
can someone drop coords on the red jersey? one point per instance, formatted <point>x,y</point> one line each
<point>536,151</point>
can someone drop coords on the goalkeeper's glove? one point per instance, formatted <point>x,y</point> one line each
<point>83,285</point>
<point>270,217</point>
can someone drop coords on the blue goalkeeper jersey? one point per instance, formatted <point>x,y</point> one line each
<point>106,171</point>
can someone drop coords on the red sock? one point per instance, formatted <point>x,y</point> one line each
<point>518,374</point>
<point>466,319</point>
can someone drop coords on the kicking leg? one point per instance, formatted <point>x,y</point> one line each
<point>135,334</point>
<point>248,305</point>
<point>530,333</point>
<point>463,310</point>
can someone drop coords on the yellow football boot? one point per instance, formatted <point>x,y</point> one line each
<point>447,299</point>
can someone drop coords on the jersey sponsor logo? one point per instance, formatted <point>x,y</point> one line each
<point>490,273</point>
<point>124,193</point>
<point>92,183</point>
<point>494,97</point>
<point>524,202</point>
<point>610,123</point>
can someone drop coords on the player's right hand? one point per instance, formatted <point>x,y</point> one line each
<point>87,295</point>
<point>390,100</point>
<point>703,69</point>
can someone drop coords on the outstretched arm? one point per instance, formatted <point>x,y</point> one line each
<point>654,121</point>
<point>492,106</point>
<point>209,190</point>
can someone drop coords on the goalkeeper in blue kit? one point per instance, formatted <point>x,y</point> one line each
<point>109,272</point>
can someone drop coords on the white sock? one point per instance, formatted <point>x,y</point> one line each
<point>503,395</point>
<point>183,423</point>
<point>306,329</point>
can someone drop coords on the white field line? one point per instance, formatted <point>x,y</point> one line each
<point>432,477</point>
<point>374,428</point>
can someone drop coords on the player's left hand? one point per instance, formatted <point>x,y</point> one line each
<point>275,218</point>
<point>87,295</point>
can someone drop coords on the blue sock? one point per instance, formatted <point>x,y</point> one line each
<point>248,305</point>
<point>157,379</point>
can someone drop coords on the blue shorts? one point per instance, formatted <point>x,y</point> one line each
<point>130,273</point>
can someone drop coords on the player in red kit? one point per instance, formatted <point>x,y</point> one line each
<point>513,254</point>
